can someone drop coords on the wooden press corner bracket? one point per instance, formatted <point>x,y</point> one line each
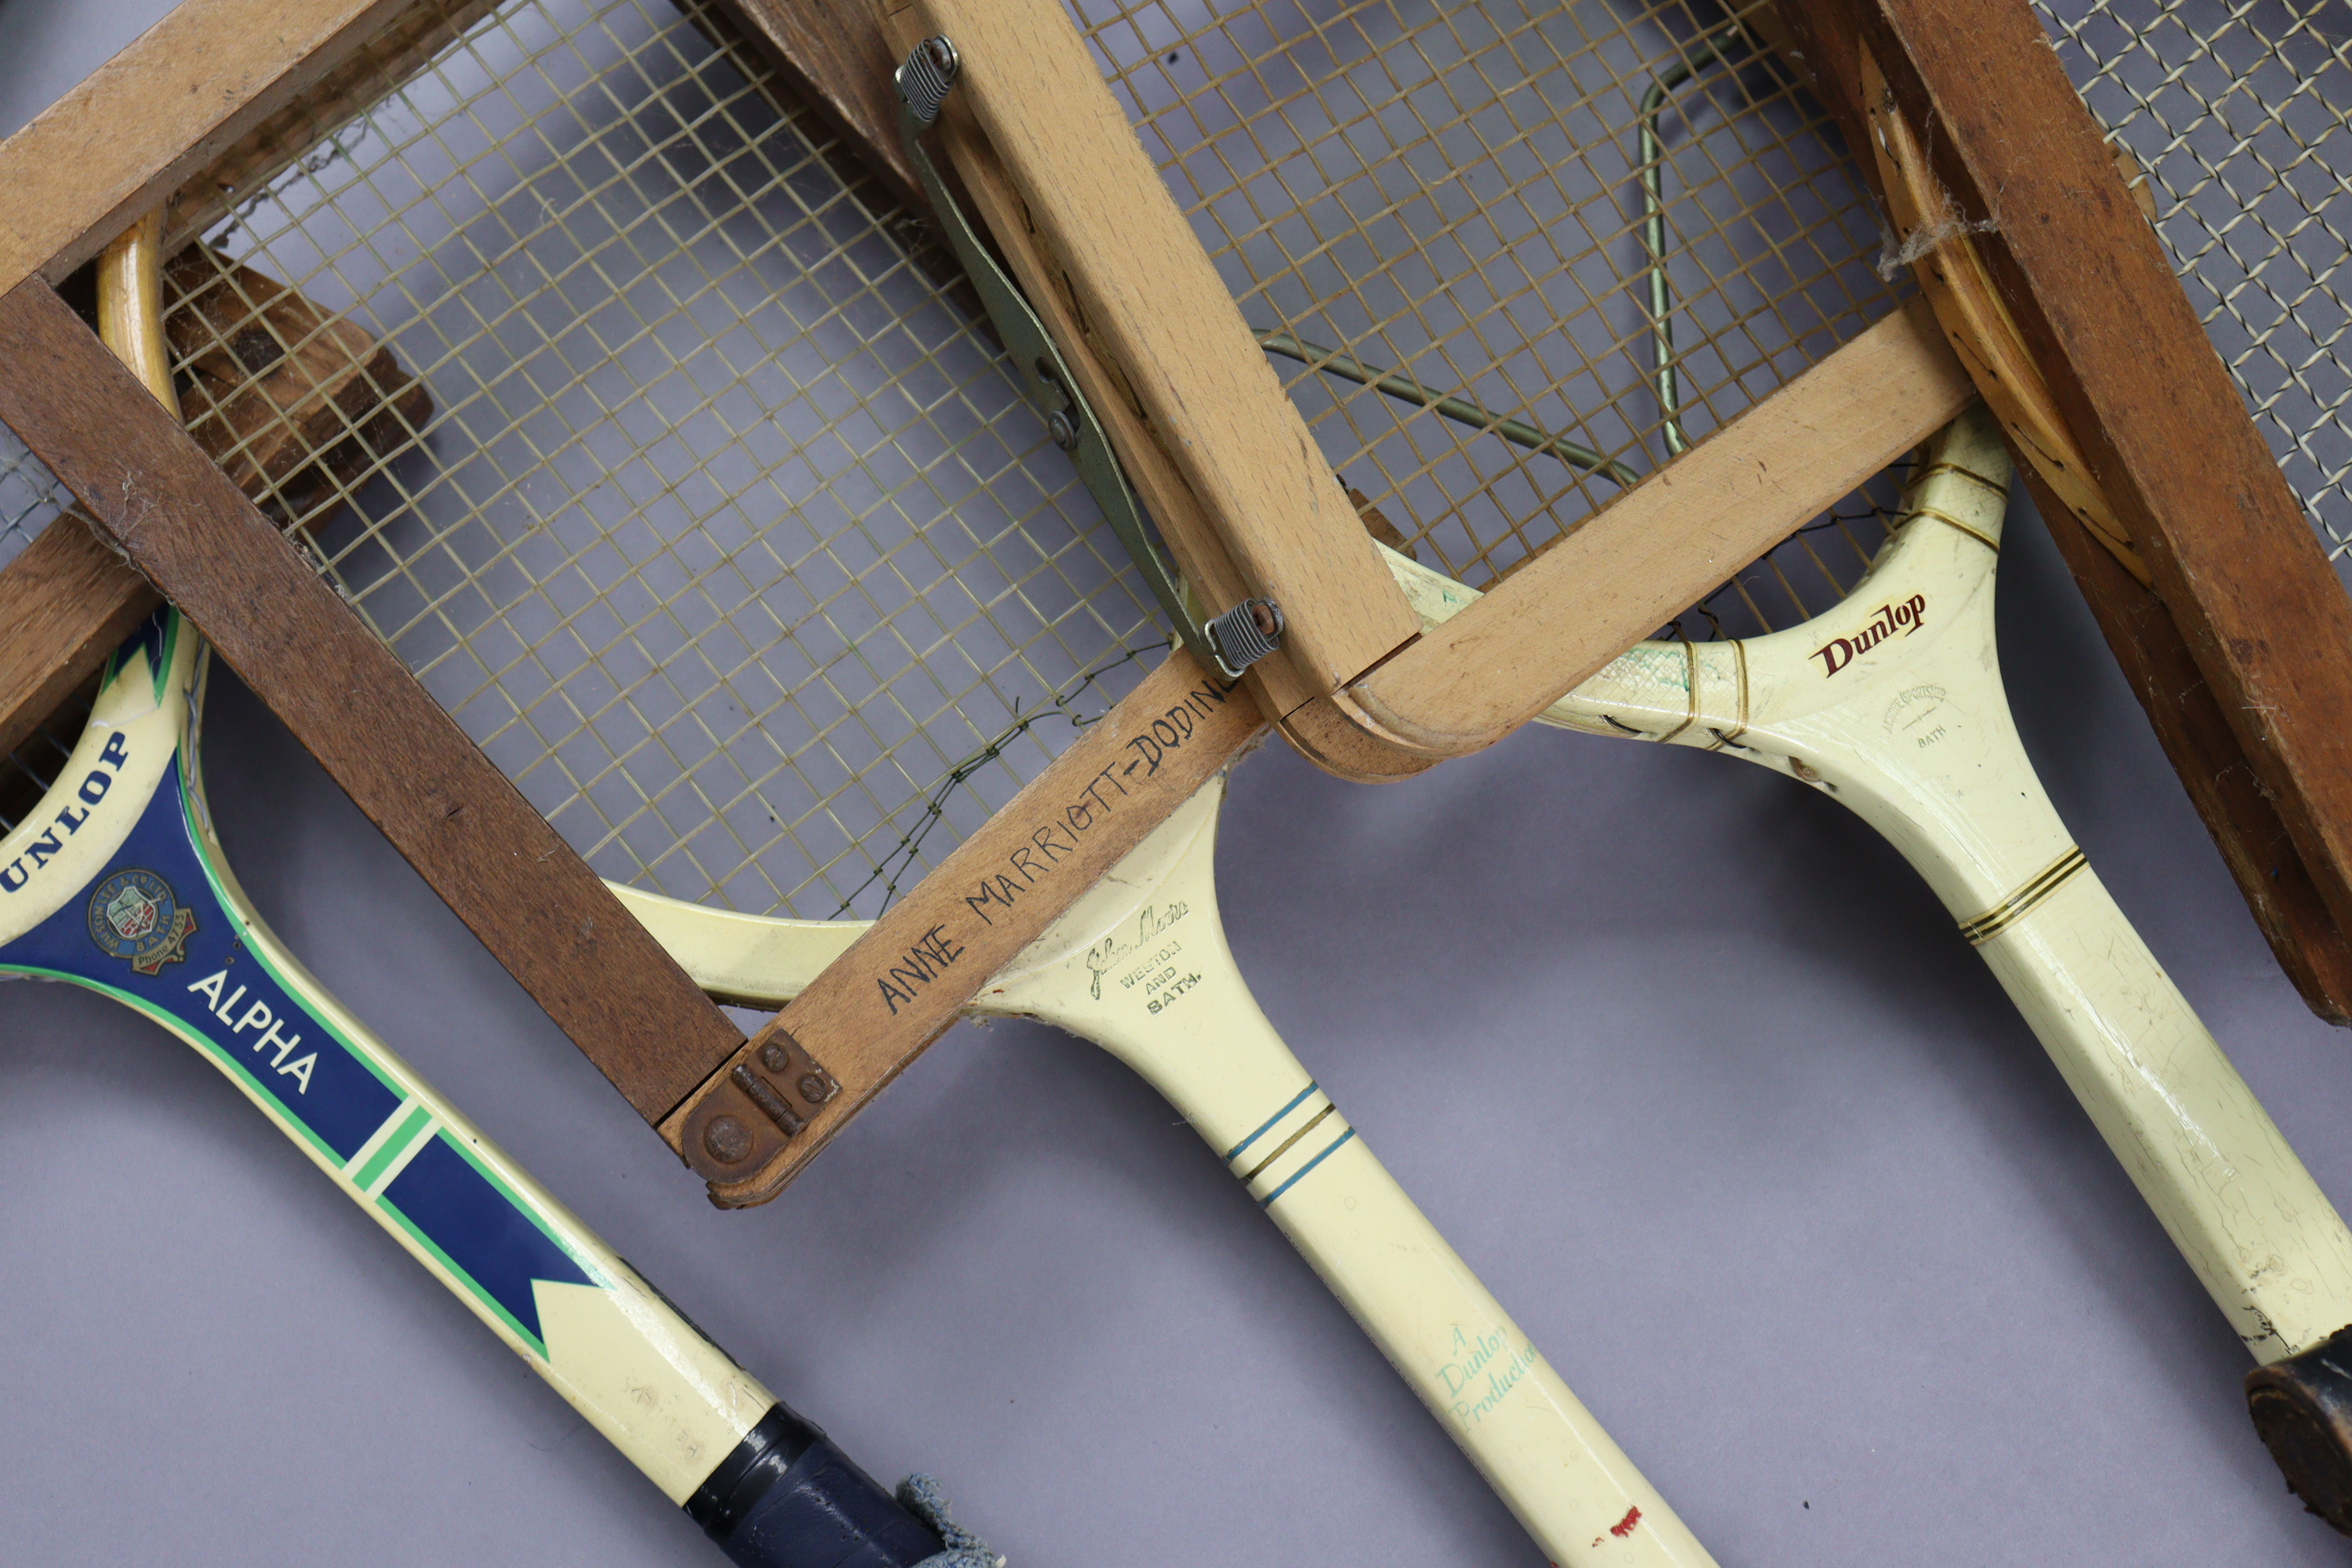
<point>769,1110</point>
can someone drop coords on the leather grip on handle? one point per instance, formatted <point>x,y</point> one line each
<point>786,1498</point>
<point>2302,1408</point>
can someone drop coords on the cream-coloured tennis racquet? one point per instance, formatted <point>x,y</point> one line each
<point>1889,698</point>
<point>1381,184</point>
<point>731,542</point>
<point>1890,701</point>
<point>1142,968</point>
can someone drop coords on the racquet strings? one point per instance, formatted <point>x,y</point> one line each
<point>29,497</point>
<point>726,535</point>
<point>2237,120</point>
<point>709,448</point>
<point>1509,257</point>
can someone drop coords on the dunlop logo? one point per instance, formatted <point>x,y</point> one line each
<point>1890,620</point>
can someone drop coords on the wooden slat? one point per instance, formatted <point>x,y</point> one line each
<point>1146,293</point>
<point>2204,751</point>
<point>65,603</point>
<point>537,907</point>
<point>2242,594</point>
<point>361,77</point>
<point>874,1009</point>
<point>1660,546</point>
<point>832,53</point>
<point>1199,550</point>
<point>155,114</point>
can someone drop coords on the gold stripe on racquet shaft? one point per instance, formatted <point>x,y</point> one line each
<point>2023,901</point>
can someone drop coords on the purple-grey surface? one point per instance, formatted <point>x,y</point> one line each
<point>1685,1062</point>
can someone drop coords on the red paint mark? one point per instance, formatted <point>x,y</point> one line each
<point>1624,1526</point>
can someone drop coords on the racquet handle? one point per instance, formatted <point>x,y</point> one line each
<point>1542,1450</point>
<point>786,1498</point>
<point>2301,1407</point>
<point>1144,971</point>
<point>2264,1239</point>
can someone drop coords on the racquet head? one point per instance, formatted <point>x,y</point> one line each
<point>1509,259</point>
<point>723,535</point>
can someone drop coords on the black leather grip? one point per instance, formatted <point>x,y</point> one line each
<point>786,1498</point>
<point>2303,1408</point>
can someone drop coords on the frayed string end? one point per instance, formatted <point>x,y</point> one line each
<point>920,1495</point>
<point>1894,254</point>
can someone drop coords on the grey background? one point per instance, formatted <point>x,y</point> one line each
<point>1684,1060</point>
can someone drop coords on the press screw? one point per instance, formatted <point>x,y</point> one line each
<point>774,1057</point>
<point>1065,433</point>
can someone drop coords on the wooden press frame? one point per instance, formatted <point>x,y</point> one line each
<point>201,86</point>
<point>1226,464</point>
<point>1244,502</point>
<point>2184,537</point>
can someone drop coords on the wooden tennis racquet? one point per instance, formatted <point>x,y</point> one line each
<point>1141,967</point>
<point>1243,120</point>
<point>1860,660</point>
<point>2227,130</point>
<point>2188,435</point>
<point>1857,659</point>
<point>118,883</point>
<point>2188,442</point>
<point>1634,97</point>
<point>420,558</point>
<point>722,533</point>
<point>679,1064</point>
